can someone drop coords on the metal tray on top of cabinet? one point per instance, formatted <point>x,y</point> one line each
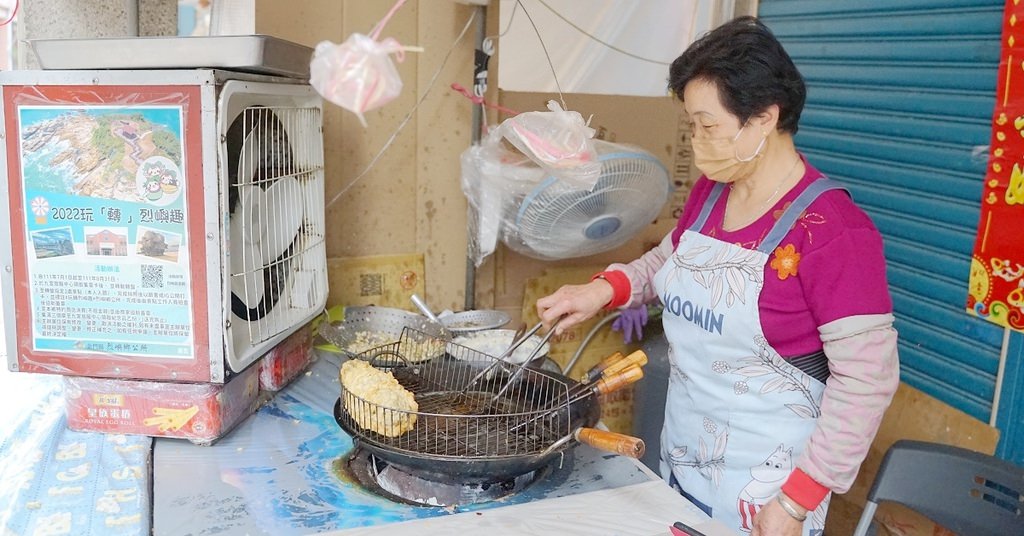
<point>251,53</point>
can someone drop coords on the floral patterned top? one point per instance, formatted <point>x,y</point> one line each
<point>829,266</point>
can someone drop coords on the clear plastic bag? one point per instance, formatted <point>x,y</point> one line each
<point>357,75</point>
<point>558,141</point>
<point>539,215</point>
<point>493,178</point>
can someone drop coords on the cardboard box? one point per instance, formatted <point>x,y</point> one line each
<point>284,363</point>
<point>383,280</point>
<point>912,415</point>
<point>199,412</point>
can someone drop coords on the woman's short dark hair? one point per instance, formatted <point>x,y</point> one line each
<point>751,70</point>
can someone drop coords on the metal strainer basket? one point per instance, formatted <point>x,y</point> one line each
<point>366,327</point>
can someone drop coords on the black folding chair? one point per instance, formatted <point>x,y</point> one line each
<point>969,493</point>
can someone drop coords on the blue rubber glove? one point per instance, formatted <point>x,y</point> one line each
<point>631,323</point>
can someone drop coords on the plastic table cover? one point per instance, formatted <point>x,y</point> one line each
<point>57,481</point>
<point>276,474</point>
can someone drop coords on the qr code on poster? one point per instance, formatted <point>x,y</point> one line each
<point>152,276</point>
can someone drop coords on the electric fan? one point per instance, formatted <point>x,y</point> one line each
<point>557,220</point>
<point>276,227</point>
<point>200,241</point>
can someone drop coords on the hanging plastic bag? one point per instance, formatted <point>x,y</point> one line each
<point>357,75</point>
<point>559,141</point>
<point>493,178</point>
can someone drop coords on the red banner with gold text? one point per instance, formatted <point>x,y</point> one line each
<point>996,287</point>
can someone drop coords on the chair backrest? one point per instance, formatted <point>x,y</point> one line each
<point>967,492</point>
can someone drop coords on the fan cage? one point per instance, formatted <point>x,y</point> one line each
<point>300,129</point>
<point>557,220</point>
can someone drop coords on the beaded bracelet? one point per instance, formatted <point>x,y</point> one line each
<point>789,508</point>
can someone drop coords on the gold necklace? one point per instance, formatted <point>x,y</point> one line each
<point>764,205</point>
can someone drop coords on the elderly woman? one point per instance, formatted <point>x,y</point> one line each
<point>776,306</point>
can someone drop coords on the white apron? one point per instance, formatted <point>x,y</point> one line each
<point>737,415</point>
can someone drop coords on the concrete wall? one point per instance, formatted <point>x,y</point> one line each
<point>410,200</point>
<point>54,19</point>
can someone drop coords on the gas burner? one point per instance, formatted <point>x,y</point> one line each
<point>403,485</point>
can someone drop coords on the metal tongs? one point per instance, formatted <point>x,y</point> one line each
<point>519,370</point>
<point>508,352</point>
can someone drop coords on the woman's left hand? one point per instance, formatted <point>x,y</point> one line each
<point>772,520</point>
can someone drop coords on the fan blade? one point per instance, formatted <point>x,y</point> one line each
<point>247,277</point>
<point>283,209</point>
<point>590,205</point>
<point>249,214</point>
<point>274,279</point>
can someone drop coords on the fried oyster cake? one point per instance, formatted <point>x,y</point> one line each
<point>385,407</point>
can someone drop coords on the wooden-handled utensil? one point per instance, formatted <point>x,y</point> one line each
<point>618,380</point>
<point>611,442</point>
<point>596,371</point>
<point>638,358</point>
<point>604,386</point>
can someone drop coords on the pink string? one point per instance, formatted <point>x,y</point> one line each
<point>480,100</point>
<point>17,3</point>
<point>380,25</point>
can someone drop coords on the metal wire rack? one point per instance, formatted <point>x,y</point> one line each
<point>276,205</point>
<point>457,414</point>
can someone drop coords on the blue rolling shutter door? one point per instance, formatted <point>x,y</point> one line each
<point>900,99</point>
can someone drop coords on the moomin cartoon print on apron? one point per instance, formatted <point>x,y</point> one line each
<point>737,414</point>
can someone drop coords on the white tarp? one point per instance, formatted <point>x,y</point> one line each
<point>657,30</point>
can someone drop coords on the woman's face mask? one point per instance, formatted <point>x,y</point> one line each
<point>719,159</point>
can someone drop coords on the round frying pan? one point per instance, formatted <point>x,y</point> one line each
<point>583,412</point>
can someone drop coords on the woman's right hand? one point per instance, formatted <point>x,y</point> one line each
<point>575,302</point>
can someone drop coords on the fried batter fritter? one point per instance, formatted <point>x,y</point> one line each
<point>389,409</point>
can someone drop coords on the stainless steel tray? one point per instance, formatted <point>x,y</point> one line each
<point>250,53</point>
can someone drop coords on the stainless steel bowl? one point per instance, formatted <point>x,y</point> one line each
<point>476,320</point>
<point>494,342</point>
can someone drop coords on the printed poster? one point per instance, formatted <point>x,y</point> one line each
<point>107,254</point>
<point>996,286</point>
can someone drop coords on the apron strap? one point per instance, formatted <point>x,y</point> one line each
<point>794,211</point>
<point>709,203</point>
<point>814,365</point>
